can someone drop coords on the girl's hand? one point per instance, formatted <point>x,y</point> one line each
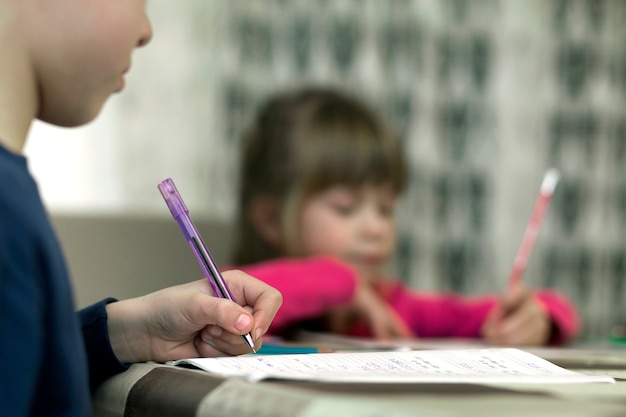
<point>367,306</point>
<point>189,321</point>
<point>519,320</point>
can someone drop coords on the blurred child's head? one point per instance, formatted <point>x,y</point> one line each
<point>320,175</point>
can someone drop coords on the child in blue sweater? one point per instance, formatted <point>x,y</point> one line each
<point>61,60</point>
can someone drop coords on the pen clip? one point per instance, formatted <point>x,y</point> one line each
<point>172,198</point>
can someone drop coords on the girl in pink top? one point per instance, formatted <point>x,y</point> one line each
<point>321,174</point>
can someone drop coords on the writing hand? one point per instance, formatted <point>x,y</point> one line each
<point>518,320</point>
<point>188,321</point>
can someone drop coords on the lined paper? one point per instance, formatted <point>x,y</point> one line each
<point>495,365</point>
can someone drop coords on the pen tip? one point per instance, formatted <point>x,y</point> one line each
<point>248,339</point>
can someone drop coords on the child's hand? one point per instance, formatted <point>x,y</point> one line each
<point>520,319</point>
<point>189,321</point>
<point>368,307</point>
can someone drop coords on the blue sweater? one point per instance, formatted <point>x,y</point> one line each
<point>51,356</point>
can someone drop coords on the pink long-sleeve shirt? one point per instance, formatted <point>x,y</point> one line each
<point>312,286</point>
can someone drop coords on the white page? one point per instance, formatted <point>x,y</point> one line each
<point>506,365</point>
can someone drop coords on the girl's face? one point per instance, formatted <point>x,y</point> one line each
<point>81,52</point>
<point>355,225</point>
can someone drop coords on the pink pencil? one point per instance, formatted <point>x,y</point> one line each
<point>550,179</point>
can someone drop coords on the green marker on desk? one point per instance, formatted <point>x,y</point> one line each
<point>269,349</point>
<point>618,336</point>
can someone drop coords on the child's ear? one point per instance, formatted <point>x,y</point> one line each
<point>264,216</point>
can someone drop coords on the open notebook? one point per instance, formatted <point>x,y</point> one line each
<point>471,366</point>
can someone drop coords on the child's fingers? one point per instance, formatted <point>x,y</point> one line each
<point>513,298</point>
<point>526,325</point>
<point>387,325</point>
<point>214,341</point>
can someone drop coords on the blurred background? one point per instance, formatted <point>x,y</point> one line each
<point>486,94</point>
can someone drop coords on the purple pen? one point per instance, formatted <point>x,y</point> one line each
<point>181,214</point>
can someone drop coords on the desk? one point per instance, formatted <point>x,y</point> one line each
<point>160,390</point>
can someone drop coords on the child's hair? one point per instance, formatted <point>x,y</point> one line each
<point>303,142</point>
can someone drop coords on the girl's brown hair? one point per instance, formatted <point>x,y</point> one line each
<point>303,142</point>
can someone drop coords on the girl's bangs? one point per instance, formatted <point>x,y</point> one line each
<point>350,152</point>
